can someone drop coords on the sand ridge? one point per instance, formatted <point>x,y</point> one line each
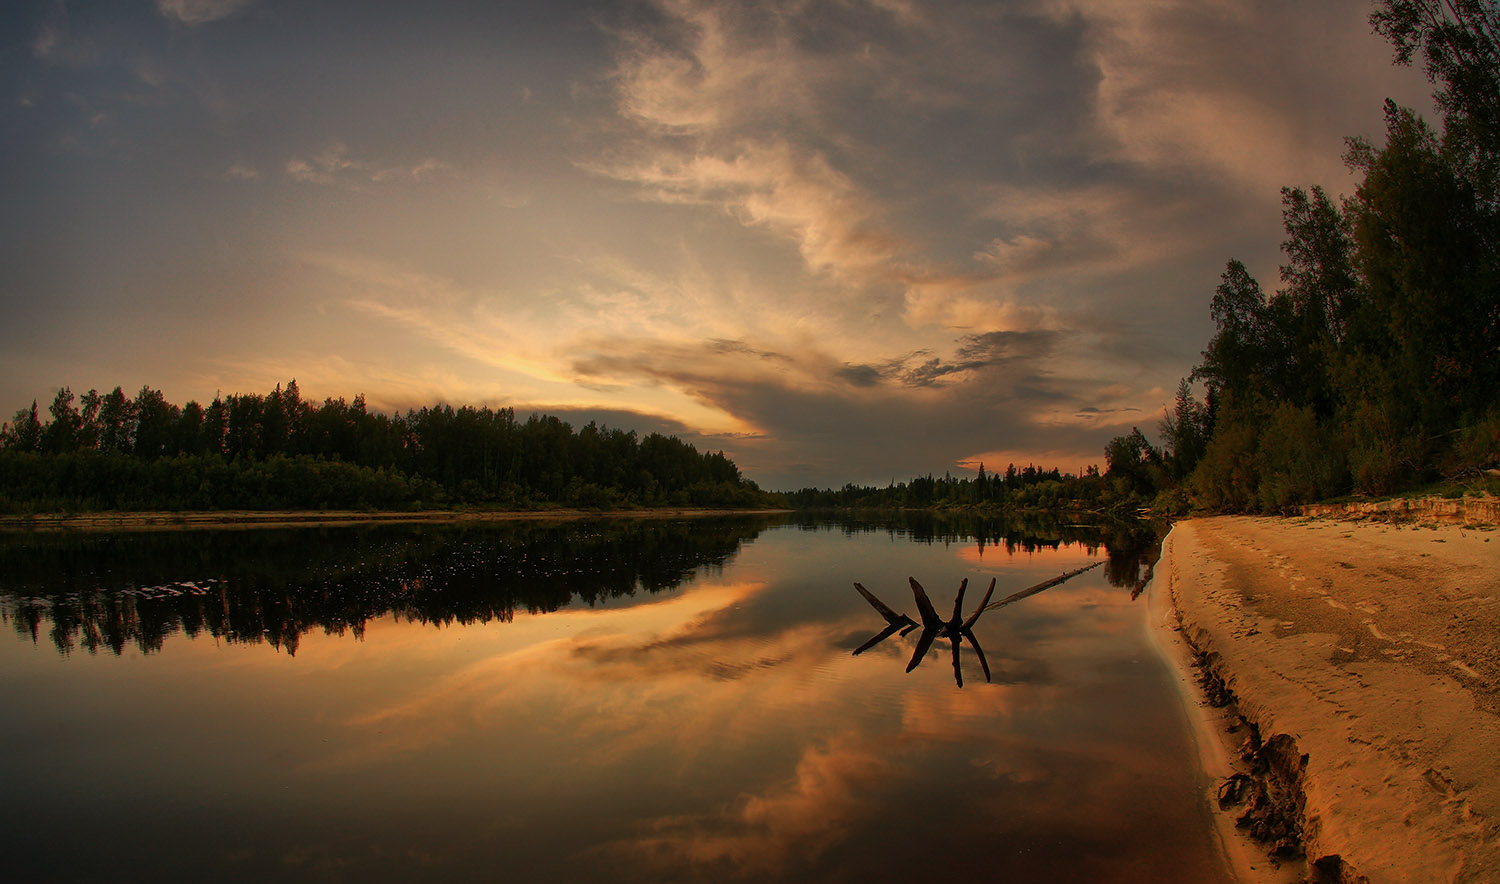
<point>1373,649</point>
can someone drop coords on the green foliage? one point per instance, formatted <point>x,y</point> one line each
<point>62,432</point>
<point>1242,355</point>
<point>1296,460</point>
<point>1376,368</point>
<point>1184,433</point>
<point>1426,250</point>
<point>1476,446</point>
<point>1226,479</point>
<point>1134,467</point>
<point>1460,43</point>
<point>24,432</point>
<point>1384,453</point>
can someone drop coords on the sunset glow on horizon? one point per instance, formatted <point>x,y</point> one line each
<point>851,241</point>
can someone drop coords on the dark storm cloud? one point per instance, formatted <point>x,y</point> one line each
<point>909,412</point>
<point>860,375</point>
<point>976,353</point>
<point>889,437</point>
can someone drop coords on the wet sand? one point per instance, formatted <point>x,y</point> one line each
<point>1349,672</point>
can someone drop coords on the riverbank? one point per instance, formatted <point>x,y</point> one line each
<point>1348,696</point>
<point>1472,510</point>
<point>158,521</point>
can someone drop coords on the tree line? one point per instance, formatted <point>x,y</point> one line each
<point>1375,367</point>
<point>1026,488</point>
<point>116,452</point>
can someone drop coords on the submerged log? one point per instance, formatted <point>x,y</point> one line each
<point>930,618</point>
<point>1045,584</point>
<point>881,636</point>
<point>955,628</point>
<point>924,641</point>
<point>974,618</point>
<point>956,621</point>
<point>890,616</point>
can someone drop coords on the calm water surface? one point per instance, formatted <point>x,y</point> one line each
<point>645,701</point>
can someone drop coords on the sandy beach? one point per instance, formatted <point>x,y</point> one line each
<point>1344,678</point>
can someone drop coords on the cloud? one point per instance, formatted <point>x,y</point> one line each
<point>728,113</point>
<point>1191,88</point>
<point>334,166</point>
<point>387,386</point>
<point>792,192</point>
<point>48,37</point>
<point>197,12</point>
<point>460,319</point>
<point>530,345</point>
<point>874,421</point>
<point>976,353</point>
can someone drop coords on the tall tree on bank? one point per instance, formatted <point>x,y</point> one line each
<point>1460,44</point>
<point>1321,288</point>
<point>1239,359</point>
<point>1377,365</point>
<point>1184,431</point>
<point>1427,331</point>
<point>24,433</point>
<point>63,430</point>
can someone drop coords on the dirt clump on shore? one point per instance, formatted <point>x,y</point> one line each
<point>1357,671</point>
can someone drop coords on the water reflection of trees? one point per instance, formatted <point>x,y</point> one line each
<point>100,591</point>
<point>1131,547</point>
<point>103,591</point>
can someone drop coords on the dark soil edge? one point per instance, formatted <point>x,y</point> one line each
<point>1267,794</point>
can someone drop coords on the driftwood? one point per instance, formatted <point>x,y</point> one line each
<point>1045,584</point>
<point>894,622</point>
<point>956,629</point>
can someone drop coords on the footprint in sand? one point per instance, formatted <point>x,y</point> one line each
<point>1462,667</point>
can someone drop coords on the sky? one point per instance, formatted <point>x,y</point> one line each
<point>841,240</point>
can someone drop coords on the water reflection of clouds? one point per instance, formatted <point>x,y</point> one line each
<point>615,681</point>
<point>956,715</point>
<point>681,685</point>
<point>761,834</point>
<point>672,688</point>
<point>857,782</point>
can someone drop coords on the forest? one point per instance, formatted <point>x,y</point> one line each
<point>275,451</point>
<point>1029,488</point>
<point>1375,367</point>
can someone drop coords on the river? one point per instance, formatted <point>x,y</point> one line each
<point>592,701</point>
